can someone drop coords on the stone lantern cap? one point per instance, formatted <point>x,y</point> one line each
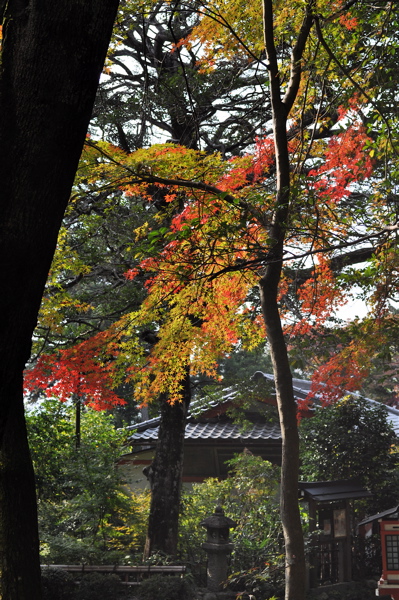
<point>218,520</point>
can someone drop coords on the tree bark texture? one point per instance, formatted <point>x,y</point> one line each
<point>295,568</point>
<point>295,571</point>
<point>165,475</point>
<point>52,55</point>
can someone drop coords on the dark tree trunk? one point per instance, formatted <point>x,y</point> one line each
<point>51,58</point>
<point>78,417</point>
<point>20,575</point>
<point>165,475</point>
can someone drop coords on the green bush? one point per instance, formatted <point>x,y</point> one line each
<point>249,496</point>
<point>60,585</point>
<point>85,513</point>
<point>64,549</point>
<point>345,591</point>
<point>95,586</point>
<point>57,585</point>
<point>168,587</point>
<point>353,439</point>
<point>258,582</point>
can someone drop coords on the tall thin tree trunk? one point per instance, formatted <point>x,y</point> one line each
<point>78,414</point>
<point>295,569</point>
<point>165,475</point>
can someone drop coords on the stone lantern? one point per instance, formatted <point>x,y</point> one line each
<point>217,546</point>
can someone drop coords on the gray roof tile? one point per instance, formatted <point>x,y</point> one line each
<point>214,431</point>
<point>225,430</point>
<point>302,388</point>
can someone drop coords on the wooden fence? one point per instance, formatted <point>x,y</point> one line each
<point>129,575</point>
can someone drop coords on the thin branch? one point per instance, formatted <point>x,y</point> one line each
<point>296,57</point>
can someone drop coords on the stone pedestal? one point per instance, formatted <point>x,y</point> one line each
<point>216,572</point>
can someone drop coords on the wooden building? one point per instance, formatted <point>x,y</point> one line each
<point>212,436</point>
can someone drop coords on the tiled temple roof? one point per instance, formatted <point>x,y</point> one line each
<point>216,431</point>
<point>199,427</point>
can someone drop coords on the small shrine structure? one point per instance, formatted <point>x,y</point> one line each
<point>331,530</point>
<point>388,521</point>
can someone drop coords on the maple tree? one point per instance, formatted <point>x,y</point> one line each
<point>300,193</point>
<point>76,373</point>
<point>342,178</point>
<point>165,69</point>
<point>47,90</point>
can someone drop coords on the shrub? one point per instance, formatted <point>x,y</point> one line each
<point>353,439</point>
<point>85,513</point>
<point>258,581</point>
<point>57,585</point>
<point>60,585</point>
<point>166,587</point>
<point>345,591</point>
<point>250,497</point>
<point>95,586</point>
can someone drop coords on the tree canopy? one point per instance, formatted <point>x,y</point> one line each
<point>216,215</point>
<point>275,186</point>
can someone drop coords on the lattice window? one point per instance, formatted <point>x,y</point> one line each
<point>392,543</point>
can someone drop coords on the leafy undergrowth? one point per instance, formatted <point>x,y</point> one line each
<point>363,590</point>
<point>59,585</point>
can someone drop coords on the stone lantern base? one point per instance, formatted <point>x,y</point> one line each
<point>217,564</point>
<point>205,594</point>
